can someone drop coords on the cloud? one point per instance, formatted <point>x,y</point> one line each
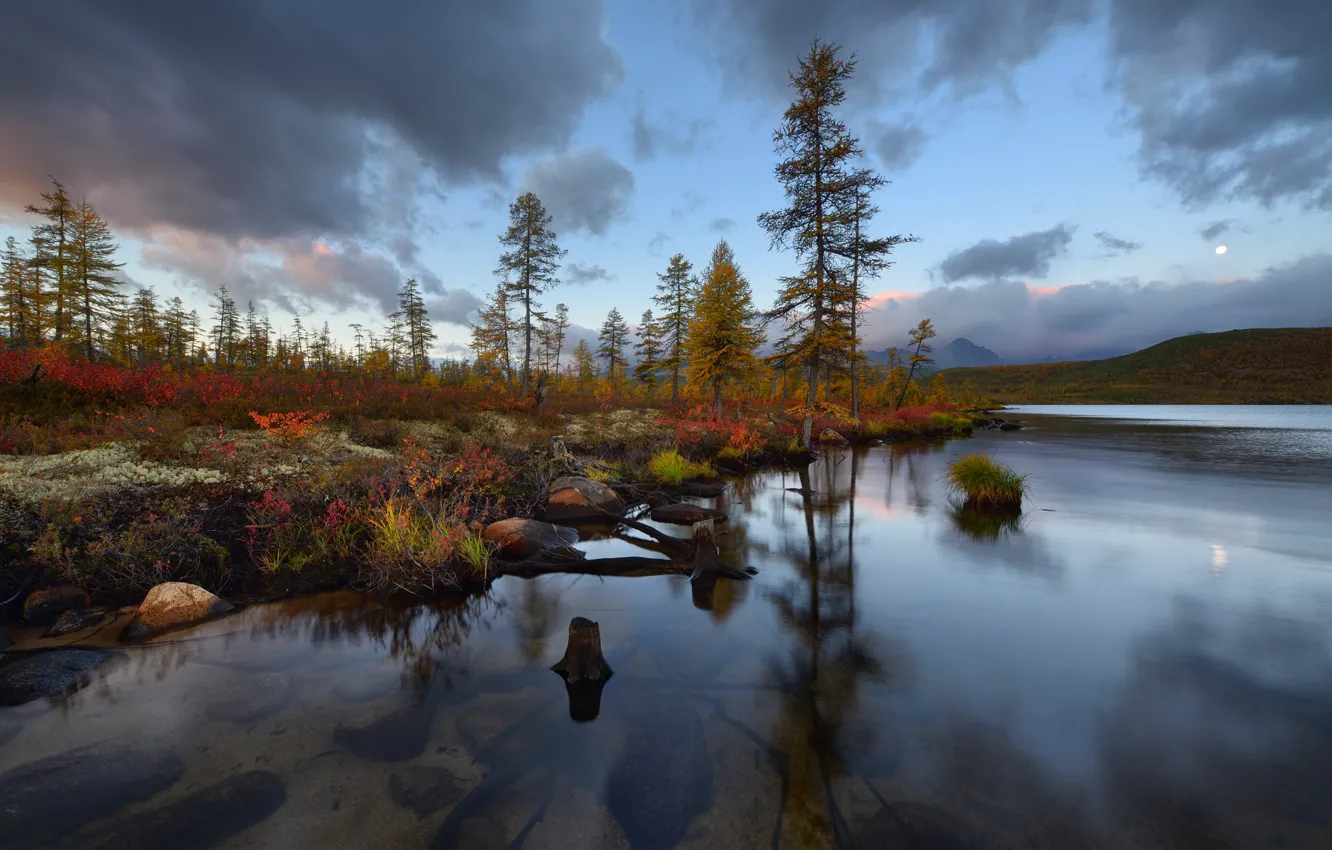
<point>1020,321</point>
<point>721,225</point>
<point>657,243</point>
<point>584,273</point>
<point>583,188</point>
<point>651,141</point>
<point>1216,229</point>
<point>897,146</point>
<point>1028,255</point>
<point>690,203</point>
<point>1230,101</point>
<point>1115,246</point>
<point>454,306</point>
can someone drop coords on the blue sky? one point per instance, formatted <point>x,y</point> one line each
<point>1053,139</point>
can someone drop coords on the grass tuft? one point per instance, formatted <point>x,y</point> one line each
<point>671,467</point>
<point>475,553</point>
<point>986,483</point>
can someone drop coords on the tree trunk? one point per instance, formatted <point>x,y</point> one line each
<point>717,398</point>
<point>584,670</point>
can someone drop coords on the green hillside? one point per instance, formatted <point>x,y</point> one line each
<point>1256,366</point>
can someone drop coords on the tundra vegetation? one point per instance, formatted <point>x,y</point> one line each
<point>143,442</point>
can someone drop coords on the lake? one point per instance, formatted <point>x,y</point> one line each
<point>1143,660</point>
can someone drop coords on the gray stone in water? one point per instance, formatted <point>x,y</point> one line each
<point>400,736</point>
<point>199,820</point>
<point>914,826</point>
<point>74,620</point>
<point>424,790</point>
<point>663,777</point>
<point>252,698</point>
<point>520,538</point>
<point>571,497</point>
<point>43,801</point>
<point>684,514</point>
<point>46,674</point>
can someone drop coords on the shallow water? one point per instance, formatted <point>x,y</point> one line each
<point>1144,660</point>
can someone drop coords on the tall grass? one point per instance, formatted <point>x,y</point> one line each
<point>475,553</point>
<point>986,483</point>
<point>671,467</point>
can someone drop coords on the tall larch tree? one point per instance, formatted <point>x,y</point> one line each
<point>492,335</point>
<point>648,351</point>
<point>584,366</point>
<point>919,356</point>
<point>51,257</point>
<point>675,295</point>
<point>818,181</point>
<point>92,292</point>
<point>19,301</point>
<point>611,341</point>
<point>145,326</point>
<point>226,329</point>
<point>724,331</point>
<point>529,267</point>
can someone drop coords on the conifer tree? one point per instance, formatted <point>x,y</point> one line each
<point>19,301</point>
<point>612,339</point>
<point>529,266</point>
<point>145,327</point>
<point>51,257</point>
<point>921,335</point>
<point>226,329</point>
<point>91,290</point>
<point>648,351</point>
<point>584,367</point>
<point>491,335</point>
<point>558,328</point>
<point>724,332</point>
<point>675,294</point>
<point>418,333</point>
<point>817,222</point>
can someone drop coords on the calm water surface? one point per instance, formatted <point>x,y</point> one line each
<point>1143,661</point>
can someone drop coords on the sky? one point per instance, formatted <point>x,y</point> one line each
<point>1070,166</point>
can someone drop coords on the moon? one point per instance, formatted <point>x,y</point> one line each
<point>1221,249</point>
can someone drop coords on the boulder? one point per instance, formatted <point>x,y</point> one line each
<point>571,497</point>
<point>172,604</point>
<point>204,818</point>
<point>686,514</point>
<point>424,790</point>
<point>74,620</point>
<point>828,435</point>
<point>42,607</point>
<point>250,697</point>
<point>1010,426</point>
<point>43,801</point>
<point>400,736</point>
<point>521,538</point>
<point>50,673</point>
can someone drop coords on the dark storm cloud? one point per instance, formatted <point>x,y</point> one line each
<point>585,273</point>
<point>584,189</point>
<point>1028,255</point>
<point>1231,99</point>
<point>1114,246</point>
<point>1019,321</point>
<point>897,146</point>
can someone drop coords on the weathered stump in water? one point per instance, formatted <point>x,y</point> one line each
<point>584,669</point>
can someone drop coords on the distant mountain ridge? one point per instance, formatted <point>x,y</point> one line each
<point>959,352</point>
<point>1255,366</point>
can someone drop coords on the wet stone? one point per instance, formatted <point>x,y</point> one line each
<point>43,801</point>
<point>400,736</point>
<point>171,605</point>
<point>51,673</point>
<point>74,620</point>
<point>683,514</point>
<point>251,697</point>
<point>424,790</point>
<point>42,607</point>
<point>663,777</point>
<point>202,819</point>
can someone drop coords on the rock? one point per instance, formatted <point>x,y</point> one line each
<point>522,538</point>
<point>684,514</point>
<point>1010,426</point>
<point>43,801</point>
<point>251,698</point>
<point>909,826</point>
<point>400,736</point>
<point>424,790</point>
<point>571,497</point>
<point>172,604</point>
<point>828,435</point>
<point>50,673</point>
<point>663,777</point>
<point>73,620</point>
<point>698,489</point>
<point>204,818</point>
<point>42,607</point>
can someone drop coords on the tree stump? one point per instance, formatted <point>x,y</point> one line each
<point>584,669</point>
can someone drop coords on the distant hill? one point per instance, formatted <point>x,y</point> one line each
<point>1256,366</point>
<point>959,352</point>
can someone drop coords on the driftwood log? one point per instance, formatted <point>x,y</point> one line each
<point>584,669</point>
